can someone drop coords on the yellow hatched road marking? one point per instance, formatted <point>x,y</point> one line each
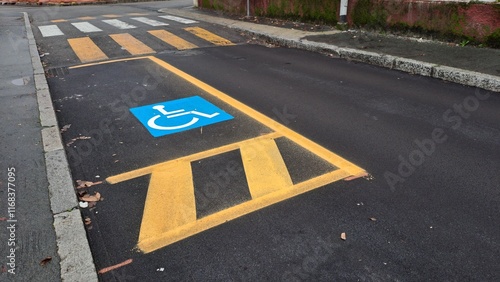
<point>198,156</point>
<point>155,241</point>
<point>170,202</point>
<point>59,21</point>
<point>208,36</point>
<point>86,50</point>
<point>137,14</point>
<point>172,39</point>
<point>86,18</point>
<point>131,44</point>
<point>265,169</point>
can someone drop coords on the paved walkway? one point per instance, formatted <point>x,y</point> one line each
<point>42,236</point>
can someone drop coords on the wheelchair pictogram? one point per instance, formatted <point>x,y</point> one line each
<point>179,115</point>
<point>174,114</point>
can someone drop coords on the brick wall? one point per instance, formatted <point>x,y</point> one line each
<point>456,19</point>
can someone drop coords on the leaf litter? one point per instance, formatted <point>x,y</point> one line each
<point>77,138</point>
<point>85,184</point>
<point>46,260</point>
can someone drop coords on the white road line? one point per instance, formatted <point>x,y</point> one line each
<point>178,19</point>
<point>50,30</point>
<point>149,21</point>
<point>119,24</point>
<point>86,27</point>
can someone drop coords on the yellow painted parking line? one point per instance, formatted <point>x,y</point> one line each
<point>157,241</point>
<point>137,14</point>
<point>86,18</point>
<point>170,202</point>
<point>131,44</point>
<point>111,16</point>
<point>108,62</point>
<point>86,50</point>
<point>265,169</point>
<point>198,156</point>
<point>172,39</point>
<point>269,122</point>
<point>59,21</point>
<point>170,208</point>
<point>208,36</point>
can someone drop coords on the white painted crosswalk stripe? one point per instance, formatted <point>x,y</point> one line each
<point>149,21</point>
<point>119,24</point>
<point>50,30</point>
<point>178,19</point>
<point>86,27</point>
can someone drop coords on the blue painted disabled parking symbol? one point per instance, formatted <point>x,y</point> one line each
<point>179,115</point>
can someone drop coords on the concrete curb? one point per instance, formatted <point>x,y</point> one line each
<point>294,39</point>
<point>76,263</point>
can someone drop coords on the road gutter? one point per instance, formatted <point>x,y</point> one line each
<point>76,262</point>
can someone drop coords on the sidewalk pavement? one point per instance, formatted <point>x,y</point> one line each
<point>478,67</point>
<point>49,236</point>
<point>42,237</point>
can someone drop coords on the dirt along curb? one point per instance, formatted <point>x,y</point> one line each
<point>77,263</point>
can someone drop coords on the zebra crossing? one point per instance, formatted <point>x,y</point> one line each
<point>94,29</point>
<point>86,27</point>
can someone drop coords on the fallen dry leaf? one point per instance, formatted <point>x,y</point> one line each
<point>91,198</point>
<point>343,236</point>
<point>3,218</point>
<point>85,184</point>
<point>77,138</point>
<point>87,221</point>
<point>65,128</point>
<point>109,268</point>
<point>45,261</point>
<point>352,177</point>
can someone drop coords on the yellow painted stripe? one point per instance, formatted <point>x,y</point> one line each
<point>137,14</point>
<point>111,16</point>
<point>86,18</point>
<point>107,62</point>
<point>281,129</point>
<point>131,44</point>
<point>265,169</point>
<point>208,36</point>
<point>194,157</point>
<point>59,21</point>
<point>170,202</point>
<point>200,225</point>
<point>86,50</point>
<point>172,39</point>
